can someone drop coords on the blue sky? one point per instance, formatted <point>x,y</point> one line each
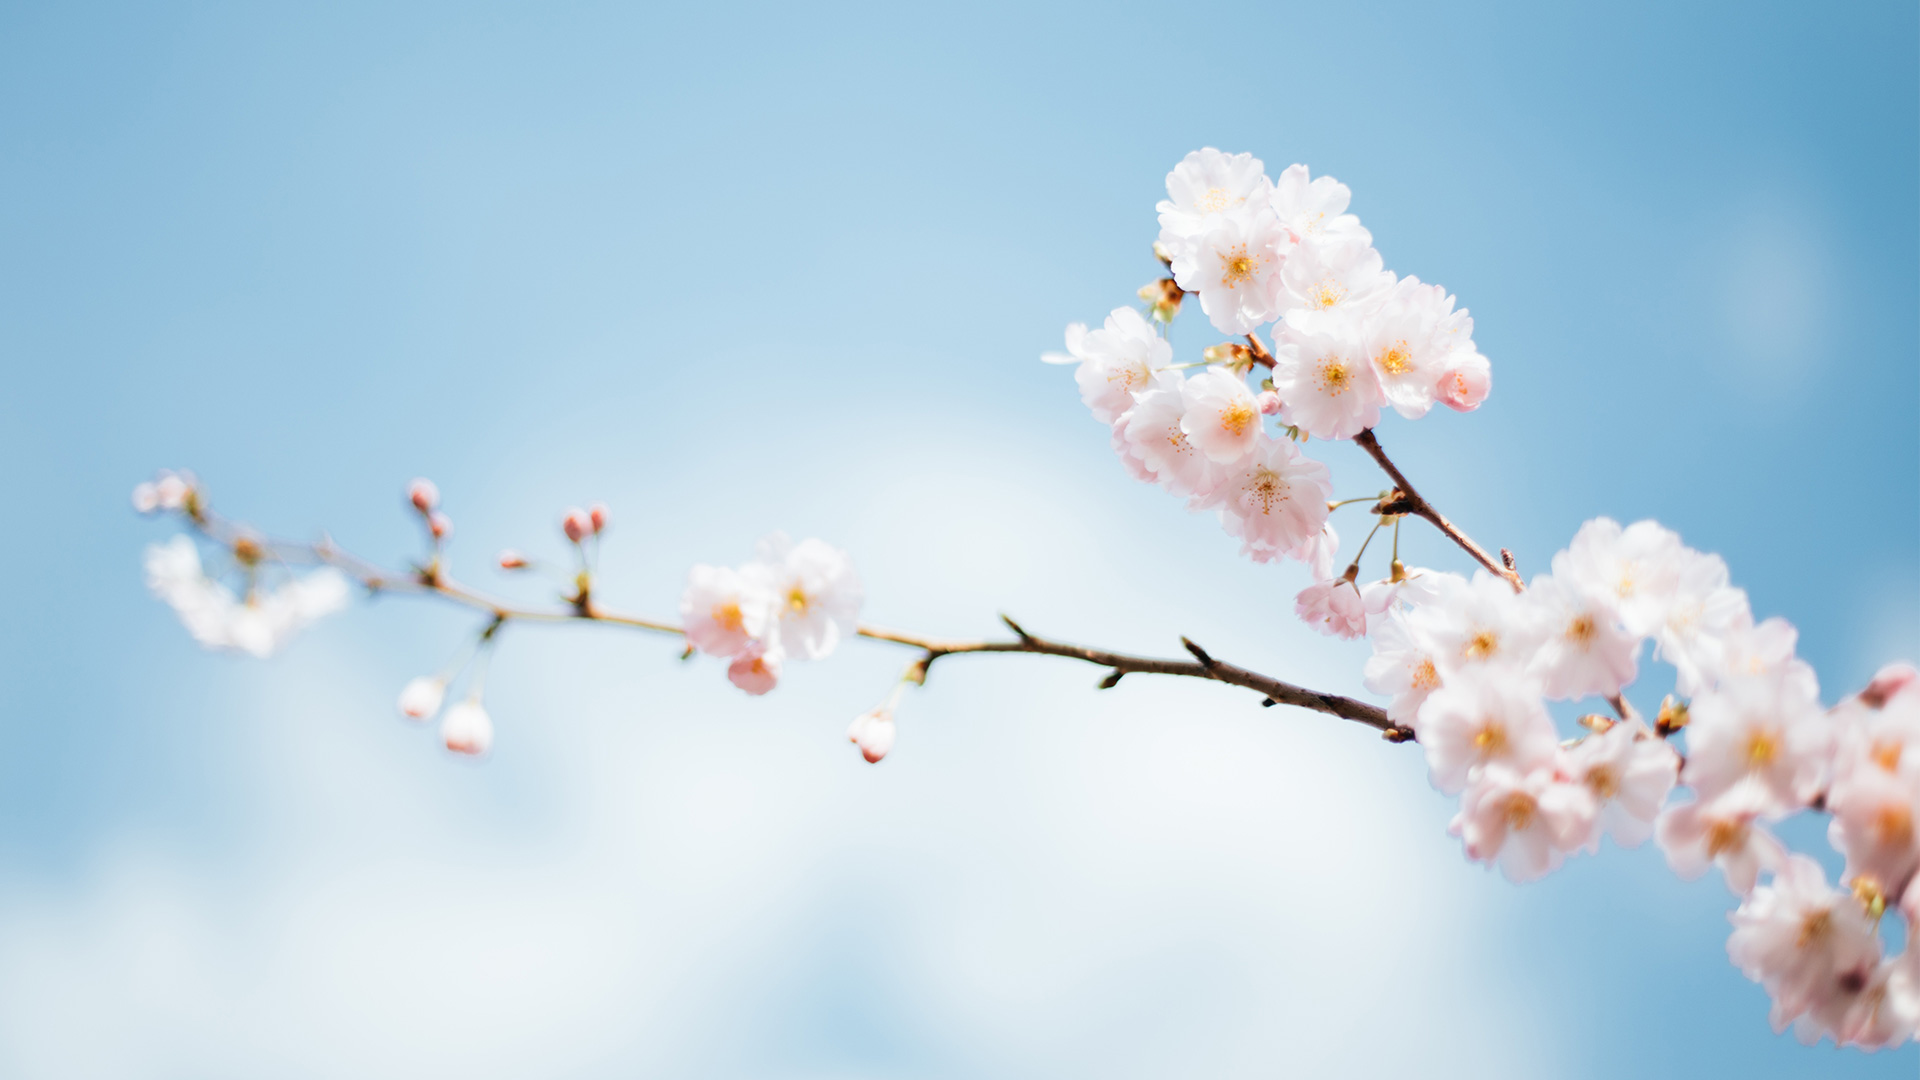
<point>742,269</point>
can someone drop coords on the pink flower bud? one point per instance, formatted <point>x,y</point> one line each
<point>171,491</point>
<point>467,729</point>
<point>577,525</point>
<point>873,732</point>
<point>1268,402</point>
<point>597,514</point>
<point>1466,384</point>
<point>512,560</point>
<point>755,670</point>
<point>1887,682</point>
<point>421,698</point>
<point>439,524</point>
<point>423,495</point>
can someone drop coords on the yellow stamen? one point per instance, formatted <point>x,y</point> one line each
<point>1519,811</point>
<point>798,600</point>
<point>1235,418</point>
<point>1237,266</point>
<point>1763,747</point>
<point>1481,645</point>
<point>1397,360</point>
<point>1426,676</point>
<point>1581,630</point>
<point>728,617</point>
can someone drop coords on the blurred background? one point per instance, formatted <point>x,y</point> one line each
<point>735,269</point>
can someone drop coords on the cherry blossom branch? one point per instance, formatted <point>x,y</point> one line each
<point>1406,500</point>
<point>433,580</point>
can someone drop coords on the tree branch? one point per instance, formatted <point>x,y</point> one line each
<point>433,581</point>
<point>1405,500</point>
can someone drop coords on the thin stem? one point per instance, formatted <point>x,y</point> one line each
<point>1405,500</point>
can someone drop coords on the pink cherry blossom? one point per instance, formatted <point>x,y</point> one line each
<point>1630,773</point>
<point>814,597</point>
<point>1410,341</point>
<point>1154,436</point>
<point>1484,716</point>
<point>1526,821</point>
<point>716,608</point>
<point>1335,608</point>
<point>1805,942</point>
<point>1474,624</point>
<point>1466,382</point>
<point>1763,726</point>
<point>1220,417</point>
<point>1400,669</point>
<point>1637,568</point>
<point>1724,831</point>
<point>755,670</point>
<point>1273,501</point>
<point>1583,648</point>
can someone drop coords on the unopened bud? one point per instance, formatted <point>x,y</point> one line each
<point>421,698</point>
<point>1268,402</point>
<point>1887,682</point>
<point>597,514</point>
<point>577,525</point>
<point>1163,298</point>
<point>873,733</point>
<point>247,551</point>
<point>1596,723</point>
<point>755,670</point>
<point>1160,252</point>
<point>146,497</point>
<point>512,560</point>
<point>1396,571</point>
<point>467,729</point>
<point>1673,716</point>
<point>423,495</point>
<point>1866,889</point>
<point>439,524</point>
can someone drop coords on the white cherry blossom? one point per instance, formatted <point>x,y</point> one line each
<point>1475,624</point>
<point>1411,341</point>
<point>1206,185</point>
<point>1235,266</point>
<point>1315,209</point>
<point>815,597</point>
<point>1326,384</point>
<point>1630,773</point>
<point>1331,277</point>
<point>1400,668</point>
<point>1526,821</point>
<point>1638,568</point>
<point>258,625</point>
<point>1583,648</point>
<point>1118,362</point>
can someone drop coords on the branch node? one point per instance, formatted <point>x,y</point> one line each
<point>1268,703</point>
<point>1199,654</point>
<point>1015,627</point>
<point>1397,734</point>
<point>1113,679</point>
<point>1506,557</point>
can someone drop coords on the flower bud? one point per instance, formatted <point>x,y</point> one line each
<point>423,495</point>
<point>755,670</point>
<point>1887,682</point>
<point>597,516</point>
<point>170,491</point>
<point>1466,384</point>
<point>512,560</point>
<point>467,729</point>
<point>1673,716</point>
<point>421,698</point>
<point>439,524</point>
<point>1268,402</point>
<point>146,497</point>
<point>873,732</point>
<point>577,525</point>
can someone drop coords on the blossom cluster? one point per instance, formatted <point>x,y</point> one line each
<point>1349,338</point>
<point>792,601</point>
<point>1473,667</point>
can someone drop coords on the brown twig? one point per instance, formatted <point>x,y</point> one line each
<point>1406,500</point>
<point>433,580</point>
